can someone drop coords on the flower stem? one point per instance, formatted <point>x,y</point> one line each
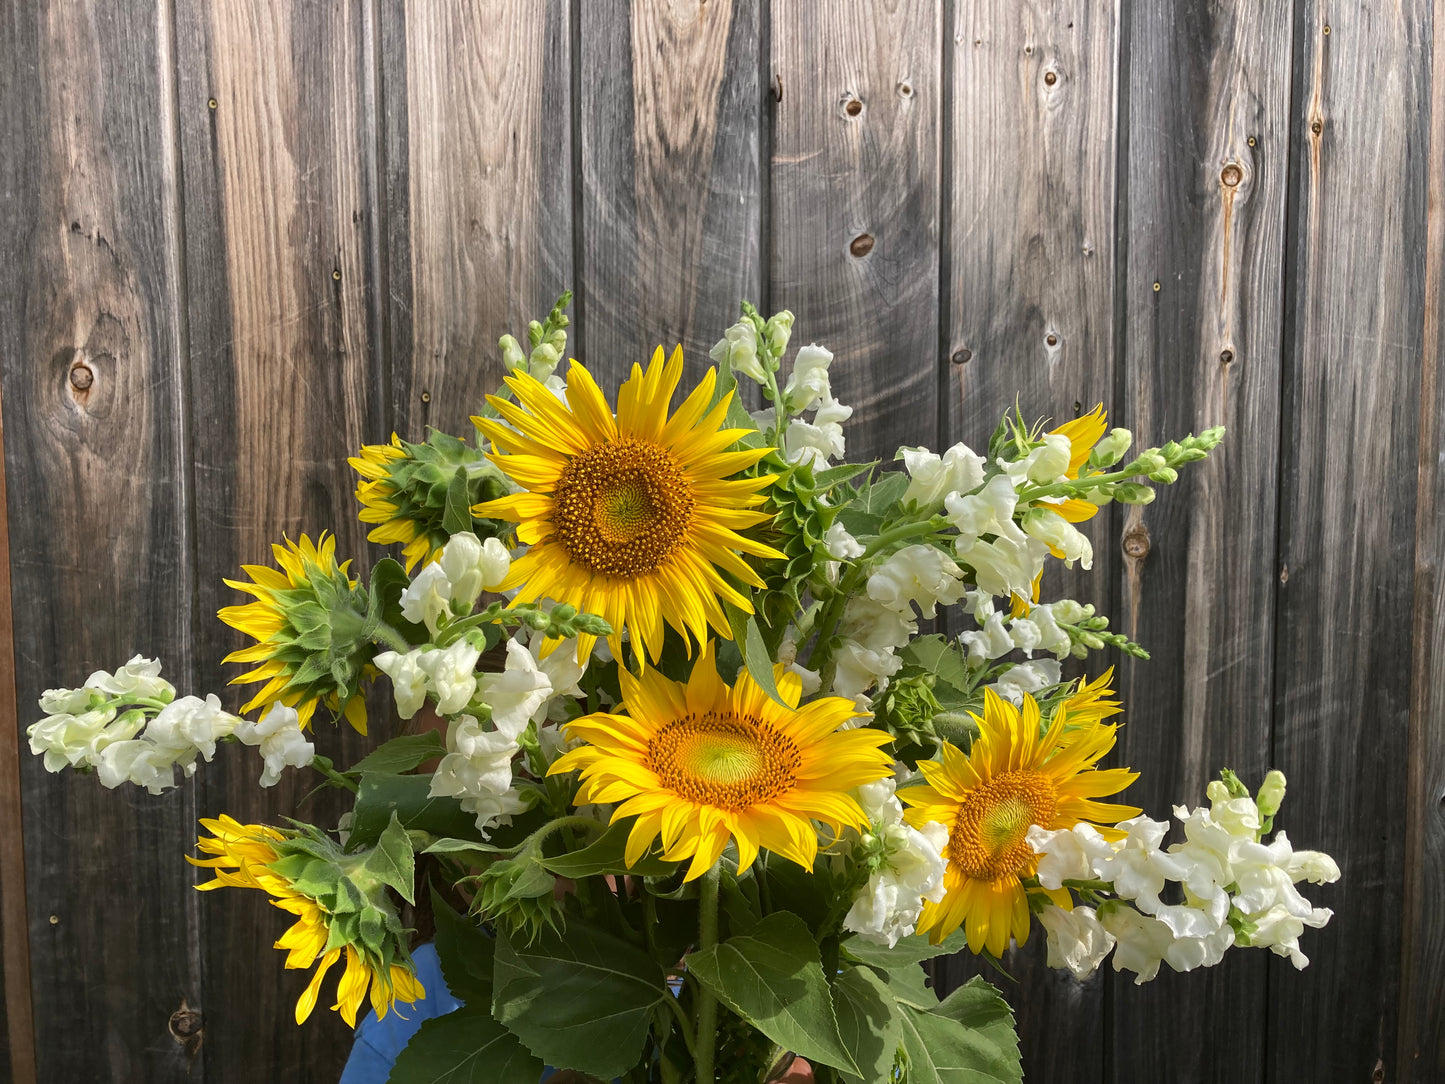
<point>706,1039</point>
<point>325,767</point>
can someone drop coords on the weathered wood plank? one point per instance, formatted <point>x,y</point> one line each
<point>1421,1056</point>
<point>280,250</point>
<point>1348,470</point>
<point>1030,318</point>
<point>1208,151</point>
<point>854,219</point>
<point>17,1040</point>
<point>670,211</point>
<point>97,485</point>
<point>480,206</point>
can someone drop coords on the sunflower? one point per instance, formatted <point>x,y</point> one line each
<point>246,856</point>
<point>633,517</point>
<point>377,495</point>
<point>1083,432</point>
<point>1013,777</point>
<point>701,763</point>
<point>298,652</point>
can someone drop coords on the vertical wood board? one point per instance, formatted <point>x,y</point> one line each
<point>670,209</point>
<point>1348,470</point>
<point>97,496</point>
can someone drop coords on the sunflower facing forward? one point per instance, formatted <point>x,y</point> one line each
<point>701,763</point>
<point>633,517</point>
<point>1013,778</point>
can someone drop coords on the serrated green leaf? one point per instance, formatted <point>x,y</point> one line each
<point>581,1001</point>
<point>827,479</point>
<point>605,855</point>
<point>868,1021</point>
<point>467,1046</point>
<point>401,754</point>
<point>457,516</point>
<point>380,794</point>
<point>906,953</point>
<point>773,978</point>
<point>465,953</point>
<point>936,655</point>
<point>392,862</point>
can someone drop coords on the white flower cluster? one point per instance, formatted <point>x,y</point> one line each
<point>1236,889</point>
<point>478,765</point>
<point>451,584</point>
<point>910,869</point>
<point>106,725</point>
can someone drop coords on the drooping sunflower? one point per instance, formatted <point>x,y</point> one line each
<point>701,763</point>
<point>290,620</point>
<point>634,517</point>
<point>1014,776</point>
<point>252,856</point>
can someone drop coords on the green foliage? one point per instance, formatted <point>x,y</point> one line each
<point>435,485</point>
<point>401,754</point>
<point>383,795</point>
<point>467,1046</point>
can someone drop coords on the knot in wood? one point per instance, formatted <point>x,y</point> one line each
<point>1136,542</point>
<point>82,376</point>
<point>1226,357</point>
<point>1231,175</point>
<point>861,245</point>
<point>185,1023</point>
<point>962,356</point>
<point>853,107</point>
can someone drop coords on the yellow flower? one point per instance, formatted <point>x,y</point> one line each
<point>288,620</point>
<point>1092,701</point>
<point>633,517</point>
<point>374,489</point>
<point>1012,778</point>
<point>1083,432</point>
<point>701,763</point>
<point>244,857</point>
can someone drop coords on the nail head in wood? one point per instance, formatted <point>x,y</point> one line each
<point>861,245</point>
<point>336,274</point>
<point>1252,141</point>
<point>1051,339</point>
<point>1051,78</point>
<point>426,397</point>
<point>211,103</point>
<point>1156,287</point>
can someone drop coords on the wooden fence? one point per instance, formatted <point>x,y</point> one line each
<point>239,238</point>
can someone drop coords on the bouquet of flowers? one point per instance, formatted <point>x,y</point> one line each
<point>686,787</point>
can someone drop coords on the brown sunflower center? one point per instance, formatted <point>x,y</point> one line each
<point>622,506</point>
<point>988,838</point>
<point>724,760</point>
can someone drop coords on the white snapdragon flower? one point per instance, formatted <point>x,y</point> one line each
<point>871,634</point>
<point>919,574</point>
<point>138,761</point>
<point>1039,629</point>
<point>470,566</point>
<point>933,478</point>
<point>1026,679</point>
<point>1065,541</point>
<point>451,675</point>
<point>841,544</point>
<point>1077,939</point>
<point>1278,929</point>
<point>1141,942</point>
<point>809,380</point>
<point>1047,463</point>
<point>990,641</point>
<point>71,740</point>
<point>1068,854</point>
<point>478,770</point>
<point>408,679</point>
<point>888,906</point>
<point>563,673</point>
<point>136,680</point>
<point>739,347</point>
<point>282,744</point>
<point>427,597</point>
<point>69,701</point>
<point>517,695</point>
<point>1138,868</point>
<point>989,511</point>
<point>1008,565</point>
<point>814,443</point>
<point>191,726</point>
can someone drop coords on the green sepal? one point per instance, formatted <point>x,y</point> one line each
<point>392,862</point>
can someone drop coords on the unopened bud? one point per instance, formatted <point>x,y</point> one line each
<point>778,332</point>
<point>1149,461</point>
<point>1166,475</point>
<point>1133,493</point>
<point>544,361</point>
<point>512,356</point>
<point>1111,448</point>
<point>1271,794</point>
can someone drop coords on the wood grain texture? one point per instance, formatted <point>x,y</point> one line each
<point>1348,470</point>
<point>1421,1055</point>
<point>1208,149</point>
<point>17,1042</point>
<point>1030,315</point>
<point>280,251</point>
<point>855,205</point>
<point>669,112</point>
<point>479,231</point>
<point>97,494</point>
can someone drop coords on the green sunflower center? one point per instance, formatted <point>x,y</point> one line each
<point>988,840</point>
<point>621,507</point>
<point>723,760</point>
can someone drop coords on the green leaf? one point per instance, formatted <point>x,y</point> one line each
<point>827,479</point>
<point>967,1039</point>
<point>465,1047</point>
<point>868,1021</point>
<point>605,855</point>
<point>393,862</point>
<point>465,953</point>
<point>380,794</point>
<point>581,1001</point>
<point>755,652</point>
<point>458,514</point>
<point>883,494</point>
<point>936,655</point>
<point>909,950</point>
<point>773,978</point>
<point>401,754</point>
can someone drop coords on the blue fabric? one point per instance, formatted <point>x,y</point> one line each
<point>378,1042</point>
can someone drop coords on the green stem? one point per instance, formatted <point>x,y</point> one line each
<point>706,1000</point>
<point>684,1025</point>
<point>325,767</point>
<point>385,634</point>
